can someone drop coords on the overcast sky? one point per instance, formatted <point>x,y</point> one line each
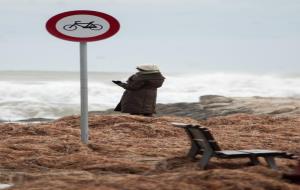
<point>258,36</point>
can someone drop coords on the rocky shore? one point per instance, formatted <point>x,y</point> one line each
<point>215,105</point>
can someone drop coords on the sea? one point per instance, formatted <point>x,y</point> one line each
<point>51,95</point>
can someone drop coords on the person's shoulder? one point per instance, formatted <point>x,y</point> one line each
<point>136,76</point>
<point>158,74</point>
<point>152,76</point>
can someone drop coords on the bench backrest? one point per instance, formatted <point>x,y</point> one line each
<point>203,137</point>
<point>200,137</point>
<point>191,131</point>
<point>211,140</point>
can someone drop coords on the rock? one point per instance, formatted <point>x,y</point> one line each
<point>215,105</point>
<point>283,110</point>
<point>235,111</point>
<point>35,120</point>
<point>209,99</point>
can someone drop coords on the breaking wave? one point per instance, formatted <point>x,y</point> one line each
<point>59,96</point>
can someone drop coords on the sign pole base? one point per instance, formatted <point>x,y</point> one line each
<point>84,93</point>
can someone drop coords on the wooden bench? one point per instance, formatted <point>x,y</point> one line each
<point>203,143</point>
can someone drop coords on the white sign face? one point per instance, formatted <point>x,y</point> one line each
<point>82,26</point>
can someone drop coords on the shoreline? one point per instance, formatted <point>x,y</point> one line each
<point>210,106</point>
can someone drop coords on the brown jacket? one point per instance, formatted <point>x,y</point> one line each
<point>140,94</point>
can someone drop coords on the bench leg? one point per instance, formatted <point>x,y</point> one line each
<point>193,151</point>
<point>254,160</point>
<point>205,159</point>
<point>271,162</point>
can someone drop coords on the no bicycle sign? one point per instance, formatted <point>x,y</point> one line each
<point>83,26</point>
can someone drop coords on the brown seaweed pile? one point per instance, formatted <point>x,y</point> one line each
<point>135,152</point>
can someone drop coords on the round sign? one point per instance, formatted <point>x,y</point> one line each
<point>82,26</point>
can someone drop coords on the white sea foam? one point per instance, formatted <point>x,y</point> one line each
<point>59,95</point>
<point>187,88</point>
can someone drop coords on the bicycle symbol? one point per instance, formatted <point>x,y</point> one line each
<point>89,25</point>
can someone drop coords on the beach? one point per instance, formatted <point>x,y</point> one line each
<point>40,145</point>
<point>135,152</point>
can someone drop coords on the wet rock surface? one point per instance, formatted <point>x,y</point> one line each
<point>214,105</point>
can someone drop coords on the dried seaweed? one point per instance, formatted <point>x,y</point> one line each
<point>135,152</point>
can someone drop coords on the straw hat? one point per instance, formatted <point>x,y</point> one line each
<point>148,67</point>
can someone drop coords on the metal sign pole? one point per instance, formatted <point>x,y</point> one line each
<point>67,26</point>
<point>84,125</point>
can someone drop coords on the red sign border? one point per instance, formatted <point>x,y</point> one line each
<point>113,29</point>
